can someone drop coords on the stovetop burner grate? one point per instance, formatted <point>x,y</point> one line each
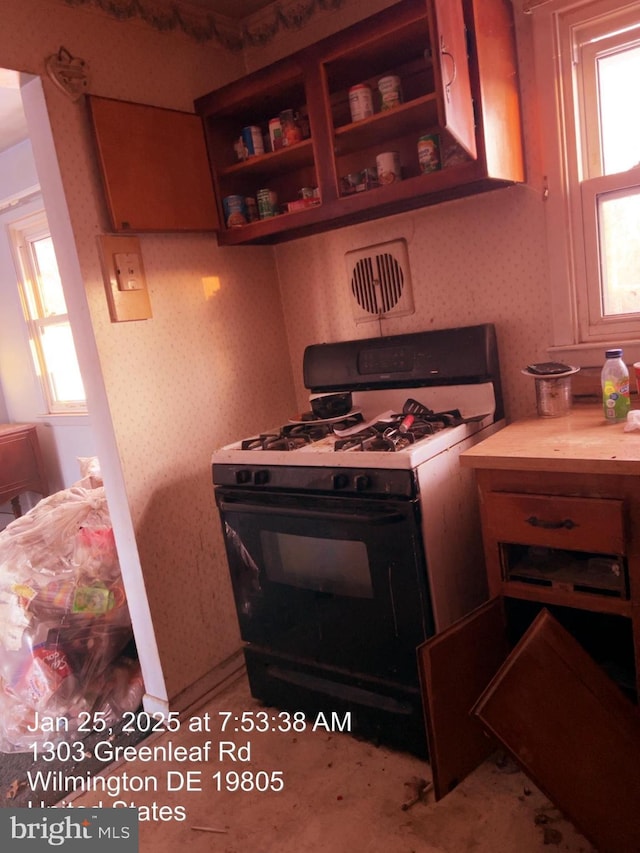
<point>390,435</point>
<point>393,436</point>
<point>275,441</point>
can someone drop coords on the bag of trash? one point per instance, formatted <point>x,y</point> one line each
<point>64,618</point>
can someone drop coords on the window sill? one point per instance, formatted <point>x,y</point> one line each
<point>592,355</point>
<point>67,419</point>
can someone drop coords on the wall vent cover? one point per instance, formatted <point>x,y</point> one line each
<point>380,281</point>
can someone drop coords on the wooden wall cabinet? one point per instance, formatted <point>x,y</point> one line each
<point>457,63</point>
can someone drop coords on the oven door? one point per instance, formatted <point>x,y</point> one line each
<point>338,581</point>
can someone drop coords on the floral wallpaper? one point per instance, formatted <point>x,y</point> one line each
<point>214,365</point>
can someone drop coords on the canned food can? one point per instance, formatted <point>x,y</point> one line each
<point>390,89</point>
<point>275,134</point>
<point>429,153</point>
<point>369,179</point>
<point>235,210</point>
<point>360,102</point>
<point>267,203</point>
<point>252,208</point>
<point>239,148</point>
<point>349,183</point>
<point>388,167</point>
<point>252,139</point>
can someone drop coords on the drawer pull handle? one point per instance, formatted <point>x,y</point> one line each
<point>567,524</point>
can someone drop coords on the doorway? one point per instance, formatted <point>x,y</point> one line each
<point>63,436</point>
<point>87,435</point>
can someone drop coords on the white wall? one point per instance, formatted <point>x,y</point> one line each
<point>62,438</point>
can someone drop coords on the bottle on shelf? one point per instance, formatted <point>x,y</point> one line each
<point>615,387</point>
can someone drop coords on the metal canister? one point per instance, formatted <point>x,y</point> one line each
<point>390,89</point>
<point>267,203</point>
<point>235,210</point>
<point>388,167</point>
<point>429,153</point>
<point>252,139</point>
<point>360,102</point>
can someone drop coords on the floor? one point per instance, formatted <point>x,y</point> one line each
<point>339,794</point>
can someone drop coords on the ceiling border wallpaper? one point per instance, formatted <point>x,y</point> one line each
<point>258,30</point>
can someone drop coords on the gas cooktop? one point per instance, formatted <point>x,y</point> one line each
<point>388,439</point>
<point>413,396</point>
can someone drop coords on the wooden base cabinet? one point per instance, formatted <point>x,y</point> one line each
<point>548,667</point>
<point>569,541</point>
<point>21,466</point>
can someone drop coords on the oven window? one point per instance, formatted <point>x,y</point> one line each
<point>337,566</point>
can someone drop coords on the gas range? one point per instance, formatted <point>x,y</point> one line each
<point>352,539</point>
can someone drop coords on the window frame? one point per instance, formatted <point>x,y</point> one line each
<point>572,234</point>
<point>23,233</point>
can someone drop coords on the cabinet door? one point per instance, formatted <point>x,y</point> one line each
<point>455,667</point>
<point>451,65</point>
<point>571,730</point>
<point>154,167</point>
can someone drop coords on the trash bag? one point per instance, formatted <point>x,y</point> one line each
<point>64,618</point>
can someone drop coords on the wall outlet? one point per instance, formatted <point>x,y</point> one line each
<point>129,271</point>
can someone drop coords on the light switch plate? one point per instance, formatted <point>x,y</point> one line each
<point>124,278</point>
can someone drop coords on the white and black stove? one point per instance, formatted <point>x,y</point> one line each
<point>351,539</point>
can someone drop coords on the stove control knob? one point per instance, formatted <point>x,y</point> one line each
<point>261,478</point>
<point>362,482</point>
<point>243,476</point>
<point>340,481</point>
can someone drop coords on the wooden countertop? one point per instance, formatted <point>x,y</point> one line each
<point>580,442</point>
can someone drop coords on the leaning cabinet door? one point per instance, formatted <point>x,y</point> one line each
<point>154,166</point>
<point>455,666</point>
<point>451,66</point>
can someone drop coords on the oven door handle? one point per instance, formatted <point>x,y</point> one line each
<point>297,512</point>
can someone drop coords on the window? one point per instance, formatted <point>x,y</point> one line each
<point>51,339</point>
<point>591,55</point>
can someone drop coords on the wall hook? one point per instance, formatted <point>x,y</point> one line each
<point>68,72</point>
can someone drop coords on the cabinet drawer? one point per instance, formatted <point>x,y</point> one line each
<point>574,524</point>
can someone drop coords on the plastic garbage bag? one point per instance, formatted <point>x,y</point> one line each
<point>63,616</point>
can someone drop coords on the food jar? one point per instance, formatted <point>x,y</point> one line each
<point>291,131</point>
<point>390,89</point>
<point>360,102</point>
<point>388,167</point>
